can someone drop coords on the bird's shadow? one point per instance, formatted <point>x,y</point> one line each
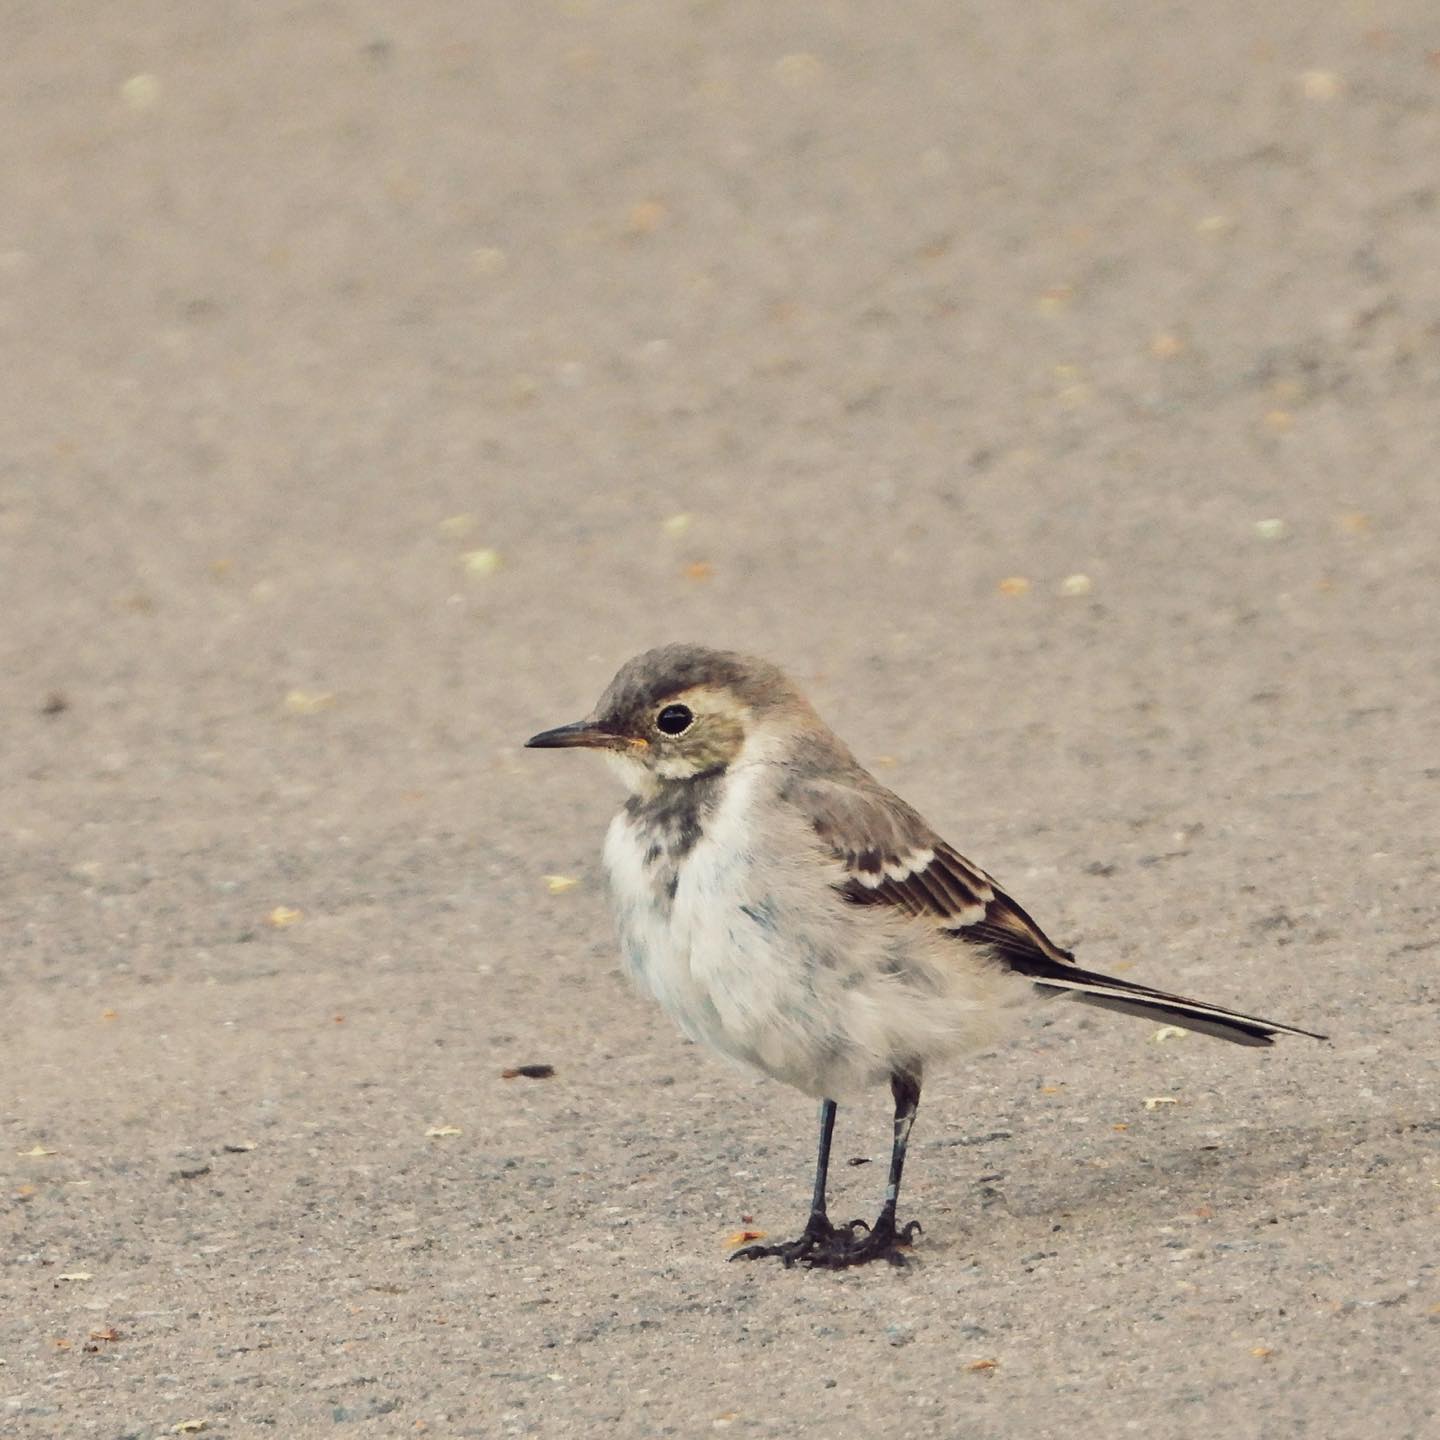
<point>1256,1170</point>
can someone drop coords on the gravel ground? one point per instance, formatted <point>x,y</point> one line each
<point>378,379</point>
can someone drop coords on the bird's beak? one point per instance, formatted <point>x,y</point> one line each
<point>582,732</point>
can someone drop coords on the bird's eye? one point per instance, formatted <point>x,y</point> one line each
<point>674,719</point>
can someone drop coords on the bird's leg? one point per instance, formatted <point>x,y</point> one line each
<point>883,1240</point>
<point>818,1220</point>
<point>818,1234</point>
<point>906,1090</point>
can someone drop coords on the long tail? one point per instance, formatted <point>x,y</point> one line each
<point>1108,993</point>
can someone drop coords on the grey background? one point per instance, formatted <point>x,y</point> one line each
<point>896,304</point>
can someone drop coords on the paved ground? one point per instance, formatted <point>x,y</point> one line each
<point>360,366</point>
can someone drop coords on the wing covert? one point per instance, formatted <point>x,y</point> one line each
<point>891,856</point>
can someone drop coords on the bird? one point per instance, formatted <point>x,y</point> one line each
<point>793,914</point>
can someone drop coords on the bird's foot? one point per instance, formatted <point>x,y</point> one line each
<point>818,1236</point>
<point>823,1246</point>
<point>883,1241</point>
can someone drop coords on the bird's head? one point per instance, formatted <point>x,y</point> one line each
<point>679,712</point>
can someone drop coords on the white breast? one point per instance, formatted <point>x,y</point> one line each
<point>686,934</point>
<point>656,953</point>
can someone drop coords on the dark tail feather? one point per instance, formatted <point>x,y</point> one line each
<point>1241,1029</point>
<point>1110,994</point>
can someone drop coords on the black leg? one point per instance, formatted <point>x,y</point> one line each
<point>818,1233</point>
<point>822,1158</point>
<point>906,1090</point>
<point>884,1241</point>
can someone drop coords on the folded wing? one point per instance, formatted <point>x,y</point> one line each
<point>891,856</point>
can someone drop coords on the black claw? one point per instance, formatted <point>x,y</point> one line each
<point>759,1252</point>
<point>837,1249</point>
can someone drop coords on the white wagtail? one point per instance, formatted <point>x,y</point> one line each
<point>792,913</point>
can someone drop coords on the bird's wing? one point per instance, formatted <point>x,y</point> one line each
<point>892,857</point>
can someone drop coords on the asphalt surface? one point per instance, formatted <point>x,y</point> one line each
<point>1055,391</point>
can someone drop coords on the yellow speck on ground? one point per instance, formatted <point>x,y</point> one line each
<point>1321,84</point>
<point>799,70</point>
<point>479,563</point>
<point>308,702</point>
<point>141,92</point>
